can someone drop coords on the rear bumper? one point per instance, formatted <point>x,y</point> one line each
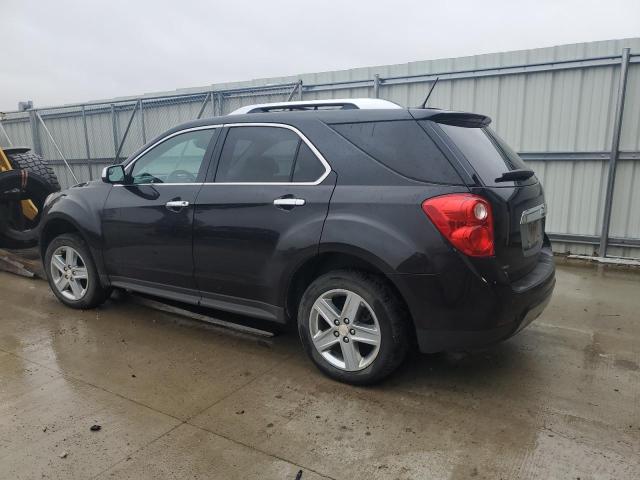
<point>461,311</point>
<point>442,340</point>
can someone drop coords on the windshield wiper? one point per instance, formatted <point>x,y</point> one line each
<point>519,174</point>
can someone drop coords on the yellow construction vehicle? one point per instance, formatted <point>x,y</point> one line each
<point>25,182</point>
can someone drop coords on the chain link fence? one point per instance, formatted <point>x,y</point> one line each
<point>80,140</point>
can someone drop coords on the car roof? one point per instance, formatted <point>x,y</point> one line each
<point>325,116</point>
<point>298,118</point>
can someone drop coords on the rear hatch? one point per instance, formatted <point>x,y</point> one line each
<point>515,194</point>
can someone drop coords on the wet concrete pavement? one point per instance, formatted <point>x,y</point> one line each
<point>181,399</point>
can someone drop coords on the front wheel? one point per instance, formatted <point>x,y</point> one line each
<point>72,274</point>
<point>353,326</point>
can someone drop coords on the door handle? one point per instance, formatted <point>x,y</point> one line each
<point>176,205</point>
<point>288,202</point>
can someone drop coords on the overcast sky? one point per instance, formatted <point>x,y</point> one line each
<point>66,51</point>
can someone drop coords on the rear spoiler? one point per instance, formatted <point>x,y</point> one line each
<point>457,119</point>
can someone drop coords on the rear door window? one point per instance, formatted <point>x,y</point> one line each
<point>267,155</point>
<point>487,153</point>
<point>404,147</point>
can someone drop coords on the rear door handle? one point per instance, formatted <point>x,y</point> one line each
<point>288,202</point>
<point>176,205</point>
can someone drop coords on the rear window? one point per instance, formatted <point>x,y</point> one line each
<point>404,147</point>
<point>487,153</point>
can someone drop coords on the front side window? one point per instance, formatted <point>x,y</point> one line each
<point>266,155</point>
<point>176,160</point>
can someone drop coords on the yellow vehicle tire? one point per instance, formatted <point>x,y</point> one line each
<point>17,230</point>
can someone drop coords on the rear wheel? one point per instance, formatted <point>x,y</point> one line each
<point>353,326</point>
<point>72,274</point>
<point>16,230</point>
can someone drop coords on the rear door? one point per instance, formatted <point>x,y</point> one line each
<point>260,214</point>
<point>519,205</point>
<point>147,223</point>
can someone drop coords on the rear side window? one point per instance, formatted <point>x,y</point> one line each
<point>307,168</point>
<point>487,153</point>
<point>266,155</point>
<point>404,147</point>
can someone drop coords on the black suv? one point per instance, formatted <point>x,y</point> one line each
<point>374,229</point>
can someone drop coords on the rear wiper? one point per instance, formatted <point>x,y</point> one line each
<point>520,174</point>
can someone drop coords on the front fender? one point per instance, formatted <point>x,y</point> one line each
<point>81,207</point>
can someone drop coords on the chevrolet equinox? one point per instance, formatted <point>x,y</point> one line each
<point>373,228</point>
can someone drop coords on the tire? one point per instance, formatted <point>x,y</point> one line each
<point>381,316</point>
<point>34,163</point>
<point>15,231</point>
<point>94,293</point>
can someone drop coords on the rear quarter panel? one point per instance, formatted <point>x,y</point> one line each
<point>387,226</point>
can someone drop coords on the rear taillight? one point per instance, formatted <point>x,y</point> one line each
<point>465,220</point>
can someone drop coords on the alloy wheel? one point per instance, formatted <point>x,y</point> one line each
<point>69,273</point>
<point>344,330</point>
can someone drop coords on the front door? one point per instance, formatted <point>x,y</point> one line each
<point>261,216</point>
<point>148,222</point>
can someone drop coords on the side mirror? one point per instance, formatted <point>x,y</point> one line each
<point>113,174</point>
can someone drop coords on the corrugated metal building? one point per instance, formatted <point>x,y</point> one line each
<point>556,106</point>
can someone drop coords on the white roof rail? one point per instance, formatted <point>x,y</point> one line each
<point>338,104</point>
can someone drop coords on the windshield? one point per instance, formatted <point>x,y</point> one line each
<point>487,153</point>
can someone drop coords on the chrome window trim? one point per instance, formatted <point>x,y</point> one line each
<point>327,167</point>
<point>311,146</point>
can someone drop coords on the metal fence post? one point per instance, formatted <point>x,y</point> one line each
<point>296,88</point>
<point>376,86</point>
<point>143,128</point>
<point>615,150</point>
<point>203,106</point>
<point>86,143</point>
<point>35,132</point>
<point>55,145</point>
<point>220,101</point>
<point>4,132</point>
<point>126,131</point>
<point>114,126</point>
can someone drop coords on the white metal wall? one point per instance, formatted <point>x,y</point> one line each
<point>550,111</point>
